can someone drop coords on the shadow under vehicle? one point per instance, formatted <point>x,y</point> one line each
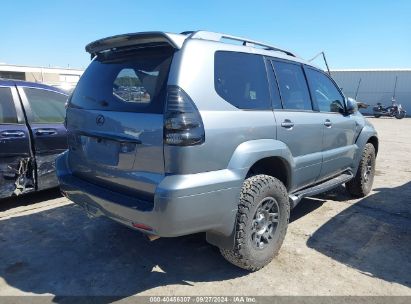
<point>373,235</point>
<point>45,255</point>
<point>99,257</point>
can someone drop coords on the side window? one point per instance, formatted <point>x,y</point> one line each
<point>293,86</point>
<point>241,79</point>
<point>46,106</point>
<point>7,110</point>
<point>324,92</point>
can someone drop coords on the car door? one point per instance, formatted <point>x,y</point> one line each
<point>16,162</point>
<point>296,123</point>
<point>45,111</point>
<point>338,145</point>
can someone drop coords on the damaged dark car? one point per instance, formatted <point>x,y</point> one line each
<point>32,134</point>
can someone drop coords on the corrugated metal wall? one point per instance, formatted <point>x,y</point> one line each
<point>376,86</point>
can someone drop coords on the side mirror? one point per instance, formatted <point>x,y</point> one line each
<point>337,106</point>
<point>351,106</point>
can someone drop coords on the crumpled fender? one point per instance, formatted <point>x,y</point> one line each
<point>17,176</point>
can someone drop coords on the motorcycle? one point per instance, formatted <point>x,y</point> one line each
<point>395,110</point>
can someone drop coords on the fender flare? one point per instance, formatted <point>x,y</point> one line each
<point>363,138</point>
<point>243,158</point>
<point>250,152</point>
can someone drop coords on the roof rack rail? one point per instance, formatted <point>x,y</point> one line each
<point>187,32</point>
<point>213,36</point>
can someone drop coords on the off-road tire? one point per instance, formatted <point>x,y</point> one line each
<point>254,191</point>
<point>360,186</point>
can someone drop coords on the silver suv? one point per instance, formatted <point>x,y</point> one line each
<point>173,134</point>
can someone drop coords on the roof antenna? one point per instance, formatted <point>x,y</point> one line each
<point>325,60</point>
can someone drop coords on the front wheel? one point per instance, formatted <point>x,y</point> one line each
<point>262,221</point>
<point>400,115</point>
<point>361,184</point>
<point>377,115</point>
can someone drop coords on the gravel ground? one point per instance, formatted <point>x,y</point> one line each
<point>334,245</point>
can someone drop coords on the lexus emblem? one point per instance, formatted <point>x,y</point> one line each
<point>100,120</point>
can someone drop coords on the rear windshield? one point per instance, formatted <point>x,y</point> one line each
<point>125,81</point>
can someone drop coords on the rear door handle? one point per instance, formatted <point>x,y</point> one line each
<point>288,124</point>
<point>46,131</point>
<point>12,134</point>
<point>328,123</point>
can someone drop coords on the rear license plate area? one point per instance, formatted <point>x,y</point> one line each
<point>101,150</point>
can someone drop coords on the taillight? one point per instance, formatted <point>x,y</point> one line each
<point>183,125</point>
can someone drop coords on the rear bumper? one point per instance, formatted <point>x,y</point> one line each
<point>183,204</point>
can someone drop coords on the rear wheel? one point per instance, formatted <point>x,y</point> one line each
<point>262,220</point>
<point>361,184</point>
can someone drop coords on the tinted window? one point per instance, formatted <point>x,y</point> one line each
<point>7,109</point>
<point>46,106</point>
<point>132,81</point>
<point>293,86</point>
<point>241,79</point>
<point>324,92</point>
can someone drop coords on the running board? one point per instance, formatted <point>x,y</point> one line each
<point>296,197</point>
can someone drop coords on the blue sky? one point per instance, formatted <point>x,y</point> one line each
<point>354,34</point>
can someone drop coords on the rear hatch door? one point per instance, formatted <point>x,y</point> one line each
<point>115,118</point>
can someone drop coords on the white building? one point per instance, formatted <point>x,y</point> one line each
<point>376,85</point>
<point>65,79</point>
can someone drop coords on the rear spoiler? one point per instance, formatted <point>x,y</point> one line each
<point>174,40</point>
